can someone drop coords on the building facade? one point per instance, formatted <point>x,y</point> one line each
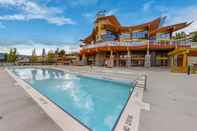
<point>111,44</point>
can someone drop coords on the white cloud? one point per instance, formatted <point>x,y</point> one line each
<point>60,20</point>
<point>11,2</point>
<point>13,17</point>
<point>31,10</point>
<point>90,16</point>
<point>112,12</point>
<point>147,6</point>
<point>186,14</point>
<point>82,2</point>
<point>175,14</point>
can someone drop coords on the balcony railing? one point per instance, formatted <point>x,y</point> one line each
<point>138,43</point>
<point>114,43</point>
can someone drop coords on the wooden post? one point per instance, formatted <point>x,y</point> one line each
<point>184,60</point>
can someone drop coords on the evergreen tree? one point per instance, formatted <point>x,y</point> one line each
<point>14,55</point>
<point>180,35</point>
<point>57,52</point>
<point>43,52</point>
<point>6,57</point>
<point>62,53</point>
<point>34,58</point>
<point>51,57</point>
<point>194,37</point>
<point>43,55</point>
<point>10,56</point>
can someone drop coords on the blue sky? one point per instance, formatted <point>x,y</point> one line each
<point>27,24</point>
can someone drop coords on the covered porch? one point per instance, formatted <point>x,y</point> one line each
<point>182,58</point>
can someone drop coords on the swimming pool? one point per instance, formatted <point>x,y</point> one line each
<point>94,102</point>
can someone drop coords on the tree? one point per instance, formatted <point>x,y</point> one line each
<point>6,57</point>
<point>62,52</point>
<point>180,35</point>
<point>12,55</point>
<point>57,52</point>
<point>43,55</point>
<point>194,37</point>
<point>34,58</point>
<point>43,52</point>
<point>51,57</point>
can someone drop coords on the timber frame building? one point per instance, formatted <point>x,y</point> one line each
<point>112,44</point>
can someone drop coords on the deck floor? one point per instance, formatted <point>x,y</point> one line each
<point>18,111</point>
<point>173,102</point>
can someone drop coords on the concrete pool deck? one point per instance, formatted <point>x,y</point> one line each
<point>172,98</point>
<point>18,111</point>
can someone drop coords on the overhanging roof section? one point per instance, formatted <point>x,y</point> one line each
<point>188,51</point>
<point>90,38</point>
<point>149,25</point>
<point>153,27</point>
<point>171,28</point>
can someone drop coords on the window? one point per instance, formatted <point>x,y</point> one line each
<point>140,35</point>
<point>108,36</point>
<point>165,36</point>
<point>124,35</point>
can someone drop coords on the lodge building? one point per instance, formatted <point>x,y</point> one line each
<point>111,44</point>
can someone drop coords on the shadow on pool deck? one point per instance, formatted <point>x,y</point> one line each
<point>18,111</point>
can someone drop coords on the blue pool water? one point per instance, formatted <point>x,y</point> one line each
<point>96,103</point>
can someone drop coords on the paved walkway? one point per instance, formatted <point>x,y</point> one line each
<point>19,112</point>
<point>173,102</point>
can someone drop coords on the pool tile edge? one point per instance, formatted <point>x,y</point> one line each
<point>61,118</point>
<point>130,117</point>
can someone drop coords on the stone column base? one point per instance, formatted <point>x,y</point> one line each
<point>147,62</point>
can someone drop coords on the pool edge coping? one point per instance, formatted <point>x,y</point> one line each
<point>133,105</point>
<point>135,100</point>
<point>57,114</point>
<point>130,116</point>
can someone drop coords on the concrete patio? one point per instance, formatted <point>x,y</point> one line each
<point>18,111</point>
<point>173,102</point>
